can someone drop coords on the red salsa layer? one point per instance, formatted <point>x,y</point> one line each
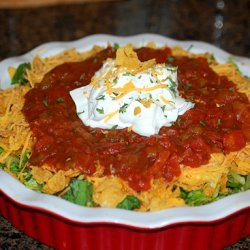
<point>219,122</point>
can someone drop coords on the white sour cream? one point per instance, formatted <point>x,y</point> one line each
<point>143,102</point>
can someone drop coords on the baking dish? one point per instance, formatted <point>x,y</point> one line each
<point>63,225</point>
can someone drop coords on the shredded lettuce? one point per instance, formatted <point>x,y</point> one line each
<point>80,193</point>
<point>19,76</point>
<point>15,166</point>
<point>247,183</point>
<point>2,166</point>
<point>130,202</point>
<point>194,198</point>
<point>237,183</point>
<point>231,60</point>
<point>32,184</point>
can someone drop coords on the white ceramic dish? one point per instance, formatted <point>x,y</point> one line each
<point>207,213</point>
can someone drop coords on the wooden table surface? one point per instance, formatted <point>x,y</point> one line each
<point>224,23</point>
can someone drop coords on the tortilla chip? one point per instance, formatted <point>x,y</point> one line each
<point>57,183</point>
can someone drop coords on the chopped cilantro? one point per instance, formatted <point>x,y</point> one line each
<point>95,60</point>
<point>190,99</point>
<point>77,83</point>
<point>187,86</point>
<point>163,108</point>
<point>232,89</point>
<point>60,99</point>
<point>114,127</point>
<point>202,123</point>
<point>123,108</point>
<point>100,111</point>
<point>171,68</point>
<point>45,103</point>
<point>190,47</point>
<point>138,99</point>
<point>100,97</point>
<point>127,74</point>
<point>82,77</point>
<point>179,121</point>
<point>172,86</point>
<point>170,59</point>
<point>172,81</point>
<point>79,113</point>
<point>219,121</point>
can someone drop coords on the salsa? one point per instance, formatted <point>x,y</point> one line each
<point>219,122</point>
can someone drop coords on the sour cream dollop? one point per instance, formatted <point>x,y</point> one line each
<point>143,102</point>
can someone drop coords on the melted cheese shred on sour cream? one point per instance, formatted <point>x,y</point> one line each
<point>128,93</point>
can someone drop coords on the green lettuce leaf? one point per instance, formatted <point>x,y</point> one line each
<point>194,198</point>
<point>19,76</point>
<point>236,182</point>
<point>32,184</point>
<point>130,202</point>
<point>80,193</point>
<point>247,183</point>
<point>230,60</point>
<point>15,166</point>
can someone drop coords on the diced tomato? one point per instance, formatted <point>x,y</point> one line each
<point>172,169</point>
<point>214,139</point>
<point>44,143</point>
<point>234,141</point>
<point>192,116</point>
<point>246,131</point>
<point>196,143</point>
<point>138,181</point>
<point>194,159</point>
<point>159,163</point>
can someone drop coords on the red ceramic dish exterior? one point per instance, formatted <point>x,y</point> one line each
<point>61,233</point>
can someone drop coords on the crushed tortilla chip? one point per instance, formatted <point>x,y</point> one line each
<point>57,183</point>
<point>40,175</point>
<point>127,57</point>
<point>109,191</point>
